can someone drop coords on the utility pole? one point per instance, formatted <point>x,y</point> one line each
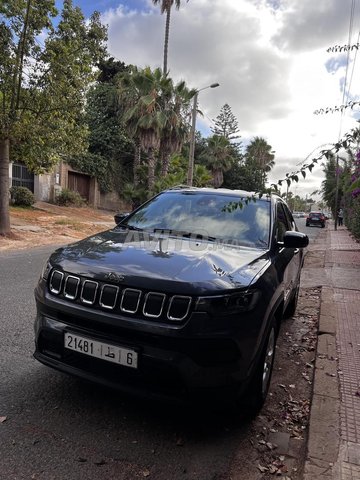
<point>336,191</point>
<point>192,141</point>
<point>192,134</point>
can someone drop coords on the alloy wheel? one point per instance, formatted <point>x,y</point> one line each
<point>268,361</point>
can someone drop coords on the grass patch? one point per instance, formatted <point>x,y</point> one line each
<point>69,223</point>
<point>18,208</point>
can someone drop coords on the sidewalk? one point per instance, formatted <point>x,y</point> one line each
<point>334,431</point>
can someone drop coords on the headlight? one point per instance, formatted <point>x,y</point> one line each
<point>228,304</point>
<point>46,270</point>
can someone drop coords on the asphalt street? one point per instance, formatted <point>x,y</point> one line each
<point>57,427</point>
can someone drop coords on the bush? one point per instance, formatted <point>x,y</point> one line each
<point>22,196</point>
<point>68,198</point>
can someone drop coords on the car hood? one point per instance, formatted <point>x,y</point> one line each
<point>162,262</point>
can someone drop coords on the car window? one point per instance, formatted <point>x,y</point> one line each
<point>208,215</point>
<point>290,218</point>
<point>282,225</point>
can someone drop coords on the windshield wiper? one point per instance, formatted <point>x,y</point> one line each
<point>130,227</point>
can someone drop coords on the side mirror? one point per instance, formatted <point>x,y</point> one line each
<point>119,217</point>
<point>295,240</point>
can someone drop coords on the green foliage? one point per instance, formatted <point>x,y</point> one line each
<point>69,198</point>
<point>219,156</point>
<point>43,85</point>
<point>226,124</point>
<point>43,114</point>
<point>22,196</point>
<point>110,151</point>
<point>154,112</point>
<point>352,216</point>
<point>134,195</point>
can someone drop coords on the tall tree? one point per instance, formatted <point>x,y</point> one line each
<point>140,92</point>
<point>260,153</point>
<point>219,157</point>
<point>165,6</point>
<point>226,124</point>
<point>177,110</point>
<point>42,87</point>
<point>109,154</point>
<point>154,113</point>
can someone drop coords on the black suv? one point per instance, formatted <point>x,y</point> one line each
<point>184,296</point>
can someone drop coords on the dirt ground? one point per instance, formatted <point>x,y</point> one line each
<point>47,224</point>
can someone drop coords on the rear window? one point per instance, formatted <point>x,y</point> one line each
<point>218,217</point>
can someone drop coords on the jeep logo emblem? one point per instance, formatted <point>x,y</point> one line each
<point>114,277</point>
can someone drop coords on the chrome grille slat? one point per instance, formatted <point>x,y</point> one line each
<point>71,296</point>
<point>56,291</point>
<point>109,306</point>
<point>87,301</point>
<point>148,298</point>
<point>172,300</point>
<point>123,300</point>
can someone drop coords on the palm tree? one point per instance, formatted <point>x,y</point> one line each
<point>155,116</point>
<point>262,154</point>
<point>219,156</point>
<point>165,6</point>
<point>143,116</point>
<point>176,109</point>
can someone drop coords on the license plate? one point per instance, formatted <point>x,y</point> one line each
<point>111,353</point>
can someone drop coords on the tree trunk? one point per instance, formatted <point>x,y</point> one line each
<point>218,178</point>
<point>166,42</point>
<point>137,159</point>
<point>151,170</point>
<point>165,161</point>
<point>4,187</point>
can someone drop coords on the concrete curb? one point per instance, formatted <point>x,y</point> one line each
<point>324,437</point>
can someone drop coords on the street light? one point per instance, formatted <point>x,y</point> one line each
<point>192,134</point>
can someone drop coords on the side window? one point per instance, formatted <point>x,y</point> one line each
<point>281,223</point>
<point>290,218</point>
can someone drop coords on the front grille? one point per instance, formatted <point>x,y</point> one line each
<point>151,305</point>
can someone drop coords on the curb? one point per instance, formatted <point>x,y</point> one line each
<point>324,436</point>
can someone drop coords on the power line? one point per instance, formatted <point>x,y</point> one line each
<point>351,22</point>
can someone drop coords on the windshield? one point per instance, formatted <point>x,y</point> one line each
<point>204,215</point>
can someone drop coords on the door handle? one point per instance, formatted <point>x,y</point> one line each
<point>296,251</point>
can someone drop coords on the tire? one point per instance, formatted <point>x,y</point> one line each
<point>291,308</point>
<point>255,395</point>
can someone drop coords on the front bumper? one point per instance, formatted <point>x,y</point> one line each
<point>168,367</point>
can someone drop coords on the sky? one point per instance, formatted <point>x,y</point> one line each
<point>269,57</point>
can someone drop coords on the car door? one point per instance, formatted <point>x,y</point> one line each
<point>288,259</point>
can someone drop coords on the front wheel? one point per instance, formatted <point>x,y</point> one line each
<point>255,395</point>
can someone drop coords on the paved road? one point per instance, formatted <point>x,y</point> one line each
<point>312,232</point>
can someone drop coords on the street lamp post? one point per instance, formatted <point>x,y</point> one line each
<point>192,134</point>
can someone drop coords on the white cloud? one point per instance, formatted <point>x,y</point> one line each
<point>269,57</point>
